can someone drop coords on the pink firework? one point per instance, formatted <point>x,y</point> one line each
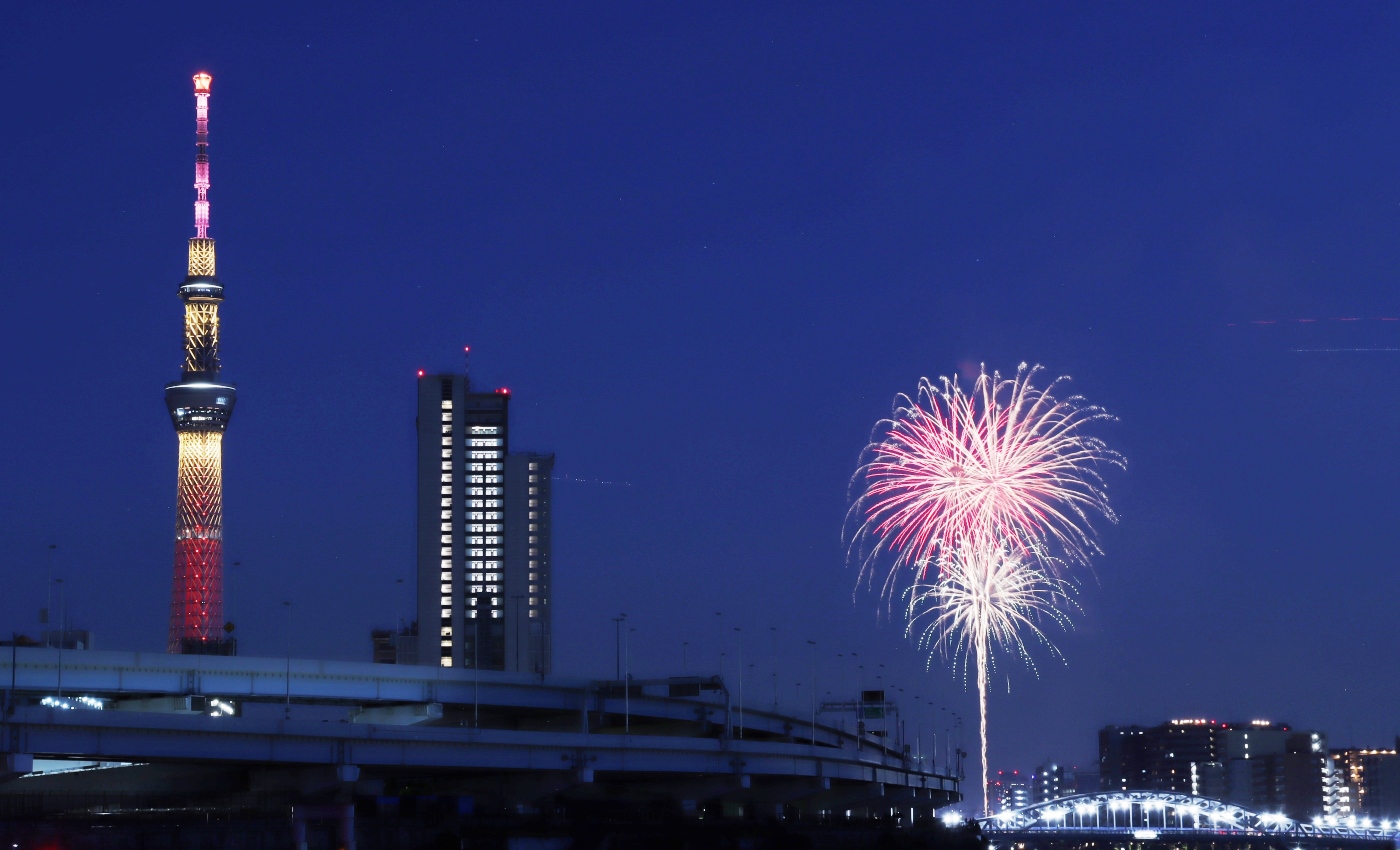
<point>1006,461</point>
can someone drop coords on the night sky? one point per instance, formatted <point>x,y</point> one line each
<point>704,245</point>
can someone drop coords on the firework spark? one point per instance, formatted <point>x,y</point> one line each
<point>991,491</point>
<point>989,597</point>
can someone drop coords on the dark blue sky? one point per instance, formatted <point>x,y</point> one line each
<point>704,245</point>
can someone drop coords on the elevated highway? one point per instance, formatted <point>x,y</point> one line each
<point>360,727</point>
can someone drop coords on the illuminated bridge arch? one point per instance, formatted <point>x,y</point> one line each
<point>1152,814</point>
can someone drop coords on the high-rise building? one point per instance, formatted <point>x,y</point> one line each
<point>1260,765</point>
<point>1007,790</point>
<point>1371,779</point>
<point>1048,783</point>
<point>200,406</point>
<point>484,534</point>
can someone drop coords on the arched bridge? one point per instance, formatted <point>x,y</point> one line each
<point>1148,815</point>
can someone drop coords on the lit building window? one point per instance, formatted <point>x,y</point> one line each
<point>447,631</point>
<point>471,614</point>
<point>447,662</point>
<point>446,600</point>
<point>495,615</point>
<point>447,551</point>
<point>445,576</point>
<point>446,588</point>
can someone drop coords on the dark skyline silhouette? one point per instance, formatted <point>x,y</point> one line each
<point>704,246</point>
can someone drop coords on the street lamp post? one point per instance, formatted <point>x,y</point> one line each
<point>741,680</point>
<point>627,687</point>
<point>813,644</point>
<point>774,631</point>
<point>62,628</point>
<point>287,714</point>
<point>617,628</point>
<point>47,619</point>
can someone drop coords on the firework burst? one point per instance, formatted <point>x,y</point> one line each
<point>988,598</point>
<point>969,504</point>
<point>1006,460</point>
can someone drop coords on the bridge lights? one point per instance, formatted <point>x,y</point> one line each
<point>952,819</point>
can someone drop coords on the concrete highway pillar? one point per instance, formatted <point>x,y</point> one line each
<point>347,826</point>
<point>298,828</point>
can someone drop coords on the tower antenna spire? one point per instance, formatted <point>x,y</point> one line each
<point>201,156</point>
<point>200,406</point>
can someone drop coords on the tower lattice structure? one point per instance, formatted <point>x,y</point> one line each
<point>200,406</point>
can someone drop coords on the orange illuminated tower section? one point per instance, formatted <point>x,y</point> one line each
<point>200,405</point>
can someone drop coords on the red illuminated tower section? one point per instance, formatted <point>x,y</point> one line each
<point>200,405</point>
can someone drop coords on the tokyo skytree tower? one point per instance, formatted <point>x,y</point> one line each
<point>200,406</point>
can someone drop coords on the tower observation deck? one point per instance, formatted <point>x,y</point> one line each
<point>200,406</point>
